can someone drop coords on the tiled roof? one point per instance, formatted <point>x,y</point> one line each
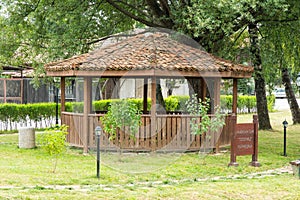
<point>158,51</point>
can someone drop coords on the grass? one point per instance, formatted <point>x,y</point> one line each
<point>26,173</point>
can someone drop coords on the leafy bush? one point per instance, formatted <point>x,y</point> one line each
<point>10,112</point>
<point>15,113</point>
<point>271,102</point>
<point>246,104</point>
<point>171,103</point>
<point>121,114</point>
<point>181,105</point>
<point>197,107</point>
<point>53,141</point>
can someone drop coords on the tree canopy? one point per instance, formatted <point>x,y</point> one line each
<point>42,30</point>
<point>245,31</point>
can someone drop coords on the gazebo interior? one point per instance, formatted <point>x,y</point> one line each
<point>150,56</point>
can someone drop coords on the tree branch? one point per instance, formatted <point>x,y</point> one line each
<point>134,7</point>
<point>129,14</point>
<point>161,15</point>
<point>165,6</point>
<point>155,8</point>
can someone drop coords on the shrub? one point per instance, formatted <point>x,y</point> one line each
<point>123,113</point>
<point>10,112</point>
<point>53,141</point>
<point>171,103</point>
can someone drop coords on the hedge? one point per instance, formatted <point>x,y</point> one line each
<point>246,104</point>
<point>10,113</point>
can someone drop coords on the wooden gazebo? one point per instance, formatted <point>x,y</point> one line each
<point>150,56</point>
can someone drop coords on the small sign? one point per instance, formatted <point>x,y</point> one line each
<point>244,141</point>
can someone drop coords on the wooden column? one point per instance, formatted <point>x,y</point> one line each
<point>217,104</point>
<point>145,95</point>
<point>153,105</point>
<point>217,93</point>
<point>62,94</point>
<point>86,111</point>
<point>204,89</point>
<point>235,96</point>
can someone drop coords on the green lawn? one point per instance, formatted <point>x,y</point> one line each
<point>26,173</point>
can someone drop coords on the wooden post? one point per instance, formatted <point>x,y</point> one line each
<point>62,94</point>
<point>217,103</point>
<point>86,111</point>
<point>145,96</point>
<point>234,98</point>
<point>153,106</point>
<point>254,162</point>
<point>233,145</point>
<point>22,88</point>
<point>5,90</point>
<point>204,89</point>
<point>217,93</point>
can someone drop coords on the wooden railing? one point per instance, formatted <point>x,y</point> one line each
<point>172,133</point>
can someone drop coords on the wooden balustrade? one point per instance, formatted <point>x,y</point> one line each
<point>172,133</point>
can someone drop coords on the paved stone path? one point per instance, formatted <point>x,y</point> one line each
<point>85,188</point>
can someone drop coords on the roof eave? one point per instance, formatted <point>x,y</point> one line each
<point>149,73</point>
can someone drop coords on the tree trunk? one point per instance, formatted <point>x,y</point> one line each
<point>261,99</point>
<point>112,90</point>
<point>290,95</point>
<point>98,94</point>
<point>195,87</point>
<point>159,98</point>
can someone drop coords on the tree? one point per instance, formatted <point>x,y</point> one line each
<point>284,52</point>
<point>54,142</point>
<point>210,23</point>
<point>60,29</point>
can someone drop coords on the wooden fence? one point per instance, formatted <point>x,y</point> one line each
<point>172,134</point>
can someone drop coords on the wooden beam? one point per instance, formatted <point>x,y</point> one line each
<point>235,96</point>
<point>86,111</point>
<point>204,89</point>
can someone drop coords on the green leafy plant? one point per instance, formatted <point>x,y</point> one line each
<point>207,124</point>
<point>53,141</point>
<point>121,114</point>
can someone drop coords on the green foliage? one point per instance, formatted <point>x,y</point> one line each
<point>171,103</point>
<point>74,107</point>
<point>121,114</point>
<point>103,105</point>
<point>181,105</point>
<point>246,104</point>
<point>10,113</point>
<point>53,141</point>
<point>42,31</point>
<point>271,102</point>
<point>206,124</point>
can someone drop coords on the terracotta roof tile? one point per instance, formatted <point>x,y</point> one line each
<point>147,51</point>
